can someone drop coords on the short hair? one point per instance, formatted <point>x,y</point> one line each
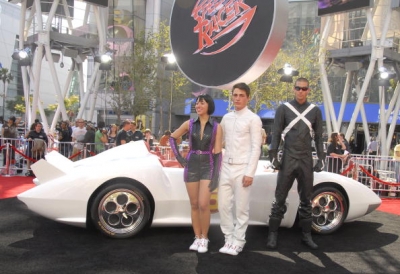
<point>209,100</point>
<point>242,86</point>
<point>125,122</point>
<point>101,124</point>
<point>302,79</point>
<point>167,132</point>
<point>133,123</point>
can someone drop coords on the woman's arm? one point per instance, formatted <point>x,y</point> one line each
<point>218,140</point>
<point>184,128</point>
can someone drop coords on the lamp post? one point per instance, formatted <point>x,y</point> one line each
<point>169,62</point>
<point>383,81</point>
<point>287,73</point>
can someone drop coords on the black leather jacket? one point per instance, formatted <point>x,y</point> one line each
<point>298,139</point>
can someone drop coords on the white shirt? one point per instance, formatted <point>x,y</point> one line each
<point>242,138</point>
<point>78,135</point>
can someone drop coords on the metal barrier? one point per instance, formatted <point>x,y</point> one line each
<point>17,154</point>
<point>380,173</point>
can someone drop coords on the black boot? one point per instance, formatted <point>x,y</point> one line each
<point>308,241</point>
<point>306,232</point>
<point>272,241</point>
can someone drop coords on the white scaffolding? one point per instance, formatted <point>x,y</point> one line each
<point>348,46</point>
<point>59,32</point>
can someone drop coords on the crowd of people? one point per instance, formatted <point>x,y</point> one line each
<point>76,140</point>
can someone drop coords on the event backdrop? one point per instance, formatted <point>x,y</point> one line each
<point>219,42</point>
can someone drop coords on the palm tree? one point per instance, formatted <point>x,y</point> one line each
<point>5,76</point>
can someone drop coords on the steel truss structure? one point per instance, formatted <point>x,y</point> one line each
<point>47,42</point>
<point>378,43</point>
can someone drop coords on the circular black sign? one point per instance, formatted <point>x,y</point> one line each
<point>220,42</point>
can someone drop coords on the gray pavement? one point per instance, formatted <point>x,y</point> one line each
<point>32,244</point>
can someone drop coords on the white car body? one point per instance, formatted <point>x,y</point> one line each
<point>65,189</point>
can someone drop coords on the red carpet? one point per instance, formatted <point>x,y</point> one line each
<point>390,205</point>
<point>12,186</point>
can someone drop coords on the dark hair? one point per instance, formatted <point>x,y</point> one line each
<point>302,79</point>
<point>242,86</point>
<point>209,100</point>
<point>333,138</point>
<point>101,124</point>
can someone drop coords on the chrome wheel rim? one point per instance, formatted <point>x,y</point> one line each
<point>327,211</point>
<point>121,211</point>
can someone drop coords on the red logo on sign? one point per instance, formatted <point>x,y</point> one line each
<point>216,18</point>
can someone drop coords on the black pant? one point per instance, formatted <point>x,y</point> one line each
<point>291,169</point>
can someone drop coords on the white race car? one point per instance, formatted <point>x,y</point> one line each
<point>125,189</point>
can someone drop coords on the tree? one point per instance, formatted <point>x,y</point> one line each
<point>71,105</point>
<point>268,91</point>
<point>139,82</point>
<point>5,77</point>
<point>18,105</point>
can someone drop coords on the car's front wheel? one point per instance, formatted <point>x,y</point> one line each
<point>329,210</point>
<point>120,210</point>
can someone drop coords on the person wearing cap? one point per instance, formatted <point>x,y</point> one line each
<point>148,138</point>
<point>10,133</point>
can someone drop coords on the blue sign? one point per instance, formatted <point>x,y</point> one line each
<point>372,111</point>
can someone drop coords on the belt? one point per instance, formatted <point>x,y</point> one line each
<point>235,161</point>
<point>200,152</point>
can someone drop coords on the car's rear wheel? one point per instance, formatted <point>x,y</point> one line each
<point>120,210</point>
<point>329,210</point>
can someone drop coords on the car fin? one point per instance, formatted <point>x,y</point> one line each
<point>59,161</point>
<point>45,171</point>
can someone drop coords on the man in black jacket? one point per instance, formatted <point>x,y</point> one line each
<point>296,123</point>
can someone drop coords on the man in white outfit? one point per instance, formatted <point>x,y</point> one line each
<point>242,138</point>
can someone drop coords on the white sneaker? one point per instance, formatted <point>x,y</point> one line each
<point>195,245</point>
<point>234,250</point>
<point>203,245</point>
<point>225,248</point>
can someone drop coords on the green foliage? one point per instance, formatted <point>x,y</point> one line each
<point>71,105</point>
<point>17,105</point>
<point>302,54</point>
<point>142,68</point>
<point>6,77</point>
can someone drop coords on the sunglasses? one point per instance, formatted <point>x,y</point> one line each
<point>301,88</point>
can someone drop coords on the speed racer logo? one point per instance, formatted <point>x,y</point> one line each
<point>216,18</point>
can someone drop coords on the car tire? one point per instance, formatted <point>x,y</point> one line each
<point>329,210</point>
<point>120,210</point>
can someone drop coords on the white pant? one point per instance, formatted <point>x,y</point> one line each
<point>233,196</point>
